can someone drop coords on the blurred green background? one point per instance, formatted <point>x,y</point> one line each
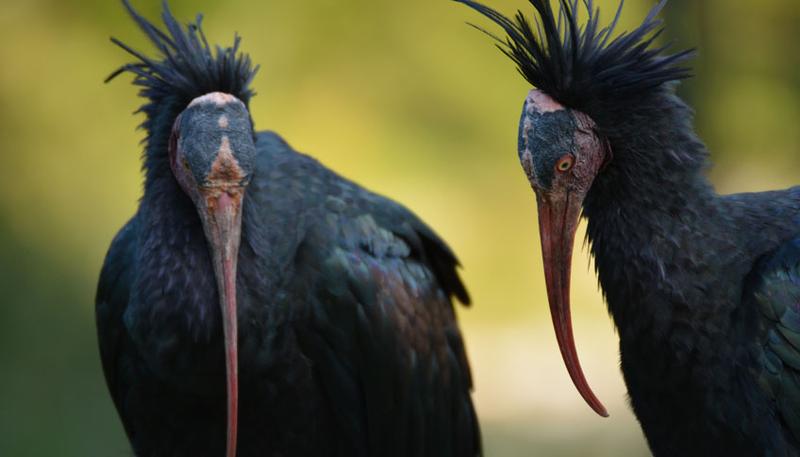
<point>404,98</point>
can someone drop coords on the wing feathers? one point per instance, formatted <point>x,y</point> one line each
<point>777,294</point>
<point>386,310</point>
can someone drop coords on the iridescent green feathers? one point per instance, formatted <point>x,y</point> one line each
<point>777,296</point>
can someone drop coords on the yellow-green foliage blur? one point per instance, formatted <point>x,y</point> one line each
<point>401,96</point>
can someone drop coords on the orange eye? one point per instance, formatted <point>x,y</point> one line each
<point>565,163</point>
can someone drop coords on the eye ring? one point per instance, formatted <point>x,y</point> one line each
<point>565,163</point>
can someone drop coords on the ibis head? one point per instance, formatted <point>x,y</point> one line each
<point>561,154</point>
<point>211,153</point>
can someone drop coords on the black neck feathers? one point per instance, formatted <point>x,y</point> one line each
<point>657,157</point>
<point>584,66</point>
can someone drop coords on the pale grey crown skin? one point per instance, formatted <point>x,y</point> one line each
<point>204,127</point>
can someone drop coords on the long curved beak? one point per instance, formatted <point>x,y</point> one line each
<point>222,222</point>
<point>558,220</point>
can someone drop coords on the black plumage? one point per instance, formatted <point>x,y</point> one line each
<point>580,65</point>
<point>347,340</point>
<point>703,288</point>
<point>186,67</point>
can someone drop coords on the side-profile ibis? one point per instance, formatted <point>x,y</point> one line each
<point>257,304</point>
<point>704,289</point>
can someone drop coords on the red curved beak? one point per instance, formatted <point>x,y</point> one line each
<point>558,220</point>
<point>222,221</point>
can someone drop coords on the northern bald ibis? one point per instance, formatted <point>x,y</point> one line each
<point>704,288</point>
<point>258,304</point>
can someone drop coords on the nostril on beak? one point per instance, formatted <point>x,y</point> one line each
<point>226,169</point>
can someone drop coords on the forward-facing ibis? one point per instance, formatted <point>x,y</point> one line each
<point>257,304</point>
<point>704,289</point>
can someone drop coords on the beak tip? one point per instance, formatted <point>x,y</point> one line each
<point>591,399</point>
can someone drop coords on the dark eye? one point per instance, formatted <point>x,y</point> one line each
<point>185,162</point>
<point>565,163</point>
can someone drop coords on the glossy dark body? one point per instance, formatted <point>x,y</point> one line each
<point>348,340</point>
<point>691,282</point>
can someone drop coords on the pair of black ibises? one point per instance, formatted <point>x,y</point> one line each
<point>258,304</point>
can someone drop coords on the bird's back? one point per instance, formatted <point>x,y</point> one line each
<point>376,319</point>
<point>379,325</point>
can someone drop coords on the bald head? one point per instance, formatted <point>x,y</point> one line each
<point>542,103</point>
<point>214,98</point>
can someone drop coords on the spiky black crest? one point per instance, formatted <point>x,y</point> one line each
<point>581,65</point>
<point>185,69</point>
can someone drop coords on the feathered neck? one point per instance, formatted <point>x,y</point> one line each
<point>657,157</point>
<point>646,211</point>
